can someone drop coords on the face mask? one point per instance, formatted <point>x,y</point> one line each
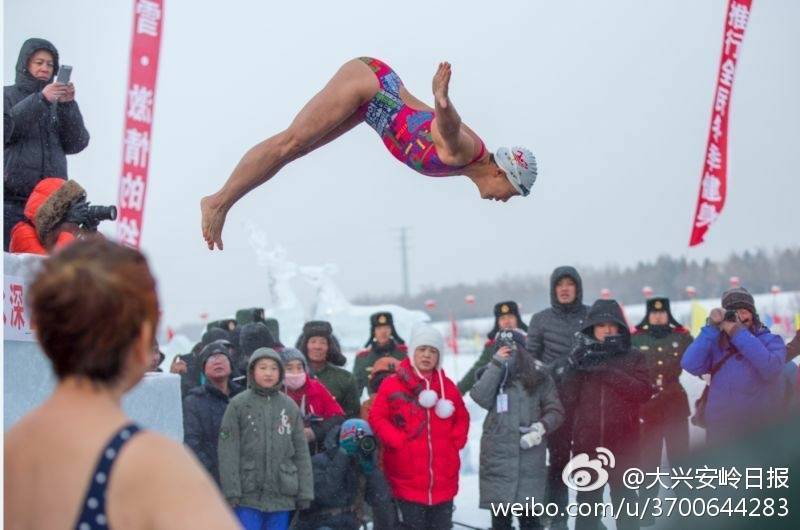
<point>295,381</point>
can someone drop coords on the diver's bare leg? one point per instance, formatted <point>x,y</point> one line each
<point>352,86</point>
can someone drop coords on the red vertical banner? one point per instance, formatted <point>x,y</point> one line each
<point>453,339</point>
<point>713,182</point>
<point>148,16</point>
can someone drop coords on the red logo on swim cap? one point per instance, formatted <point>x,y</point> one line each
<point>518,156</point>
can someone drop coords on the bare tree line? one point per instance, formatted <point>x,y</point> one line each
<point>757,270</point>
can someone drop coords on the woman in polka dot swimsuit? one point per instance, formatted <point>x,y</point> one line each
<point>77,461</point>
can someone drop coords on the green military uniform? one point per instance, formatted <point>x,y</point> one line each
<point>373,351</point>
<point>339,382</point>
<point>367,357</point>
<point>501,308</point>
<point>342,385</point>
<point>664,419</point>
<point>466,383</point>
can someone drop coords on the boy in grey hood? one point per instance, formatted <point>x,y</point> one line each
<point>265,466</point>
<point>550,339</point>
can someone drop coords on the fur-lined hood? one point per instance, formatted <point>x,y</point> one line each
<point>50,201</point>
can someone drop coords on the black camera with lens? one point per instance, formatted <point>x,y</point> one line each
<point>367,444</point>
<point>505,337</point>
<point>88,217</point>
<point>731,316</point>
<point>96,214</point>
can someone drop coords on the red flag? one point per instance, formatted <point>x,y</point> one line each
<point>452,341</point>
<point>137,138</point>
<point>170,333</point>
<point>713,182</point>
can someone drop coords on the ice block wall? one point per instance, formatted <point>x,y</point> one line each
<point>155,403</point>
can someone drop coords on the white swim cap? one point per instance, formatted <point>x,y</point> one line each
<point>520,167</point>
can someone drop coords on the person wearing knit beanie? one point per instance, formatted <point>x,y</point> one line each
<point>746,361</point>
<point>204,405</point>
<point>739,298</point>
<point>420,418</point>
<point>316,403</point>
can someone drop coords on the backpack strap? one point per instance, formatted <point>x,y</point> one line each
<point>716,367</point>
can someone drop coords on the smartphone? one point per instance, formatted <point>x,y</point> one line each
<point>64,73</point>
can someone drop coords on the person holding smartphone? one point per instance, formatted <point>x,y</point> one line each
<point>42,124</point>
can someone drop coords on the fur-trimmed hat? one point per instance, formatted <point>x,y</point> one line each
<point>382,318</point>
<point>506,308</point>
<point>50,201</point>
<point>659,303</point>
<point>321,328</point>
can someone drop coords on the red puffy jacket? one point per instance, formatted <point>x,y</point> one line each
<point>314,399</point>
<point>420,449</point>
<point>44,211</point>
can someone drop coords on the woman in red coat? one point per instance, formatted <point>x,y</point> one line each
<point>421,420</point>
<point>317,404</point>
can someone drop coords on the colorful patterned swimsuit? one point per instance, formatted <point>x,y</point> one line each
<point>406,132</point>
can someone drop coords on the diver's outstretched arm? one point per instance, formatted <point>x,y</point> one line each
<point>448,122</point>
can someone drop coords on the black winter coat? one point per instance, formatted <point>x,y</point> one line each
<point>36,136</point>
<point>203,409</point>
<point>608,393</point>
<point>550,333</point>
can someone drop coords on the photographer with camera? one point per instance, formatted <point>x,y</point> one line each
<point>506,316</point>
<point>523,407</point>
<point>41,125</point>
<point>345,478</point>
<point>56,213</point>
<point>610,381</point>
<point>744,361</point>
<point>317,406</point>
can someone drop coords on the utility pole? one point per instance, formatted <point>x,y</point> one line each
<point>404,256</point>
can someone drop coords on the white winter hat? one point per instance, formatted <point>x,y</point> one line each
<point>425,335</point>
<point>520,167</point>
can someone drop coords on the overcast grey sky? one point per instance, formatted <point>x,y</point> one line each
<point>614,98</point>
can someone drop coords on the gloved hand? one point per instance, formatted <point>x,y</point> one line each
<point>533,436</point>
<point>533,427</point>
<point>366,462</point>
<point>349,446</point>
<point>580,346</point>
<point>78,213</point>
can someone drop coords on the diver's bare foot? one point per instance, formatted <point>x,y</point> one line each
<point>213,219</point>
<point>441,83</point>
